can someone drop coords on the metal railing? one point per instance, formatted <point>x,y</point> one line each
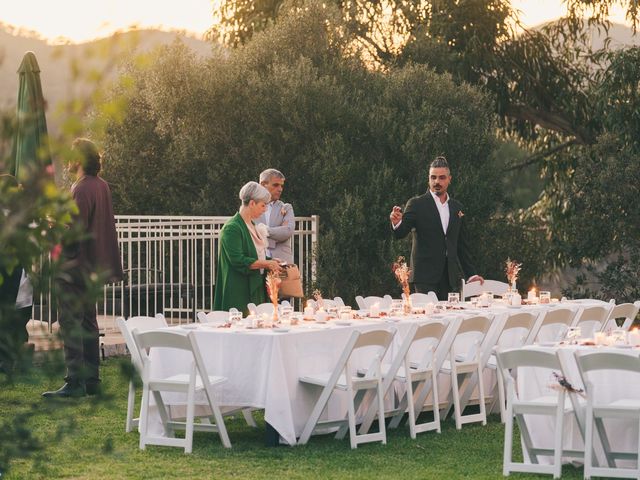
<point>170,266</point>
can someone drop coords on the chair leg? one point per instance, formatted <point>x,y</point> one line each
<point>557,447</point>
<point>246,413</point>
<point>508,441</point>
<point>352,419</point>
<point>130,407</point>
<point>188,435</point>
<point>588,441</point>
<point>411,406</point>
<point>483,405</point>
<point>381,420</point>
<point>144,417</point>
<point>456,395</point>
<point>501,396</point>
<point>436,399</point>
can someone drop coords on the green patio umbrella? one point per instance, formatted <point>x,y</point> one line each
<point>30,144</point>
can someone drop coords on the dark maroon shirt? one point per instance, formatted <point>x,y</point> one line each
<point>98,251</point>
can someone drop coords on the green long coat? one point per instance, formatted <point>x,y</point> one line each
<point>236,284</point>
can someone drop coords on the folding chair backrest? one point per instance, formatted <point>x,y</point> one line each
<point>140,324</point>
<point>480,326</point>
<point>517,357</point>
<point>559,316</point>
<point>418,299</point>
<point>381,338</point>
<point>524,321</point>
<point>627,311</point>
<point>338,301</point>
<point>588,362</point>
<point>260,309</point>
<point>434,331</point>
<point>216,316</point>
<point>474,288</point>
<point>162,339</point>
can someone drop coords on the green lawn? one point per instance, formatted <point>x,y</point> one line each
<point>95,445</point>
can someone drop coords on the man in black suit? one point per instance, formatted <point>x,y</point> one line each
<point>440,250</point>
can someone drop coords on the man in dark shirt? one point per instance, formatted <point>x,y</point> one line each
<point>94,259</point>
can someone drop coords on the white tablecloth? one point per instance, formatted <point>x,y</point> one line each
<point>263,367</point>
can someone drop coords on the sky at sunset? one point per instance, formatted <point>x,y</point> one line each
<point>82,20</point>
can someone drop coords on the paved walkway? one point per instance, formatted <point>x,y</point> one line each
<point>112,342</point>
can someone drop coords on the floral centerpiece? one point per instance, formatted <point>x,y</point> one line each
<point>512,269</point>
<point>273,285</point>
<point>402,273</point>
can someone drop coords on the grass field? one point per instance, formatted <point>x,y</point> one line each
<point>85,439</point>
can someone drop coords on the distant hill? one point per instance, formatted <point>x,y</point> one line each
<point>55,60</point>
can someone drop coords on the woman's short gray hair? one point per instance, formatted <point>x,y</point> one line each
<point>254,191</point>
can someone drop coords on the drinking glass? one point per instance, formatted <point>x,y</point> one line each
<point>235,318</point>
<point>344,313</point>
<point>453,299</point>
<point>285,315</point>
<point>545,297</point>
<point>396,307</point>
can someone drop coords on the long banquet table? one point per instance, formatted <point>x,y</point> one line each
<point>262,366</point>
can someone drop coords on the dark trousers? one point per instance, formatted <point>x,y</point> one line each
<point>80,334</point>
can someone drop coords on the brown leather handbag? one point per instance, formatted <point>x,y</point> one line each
<point>291,285</point>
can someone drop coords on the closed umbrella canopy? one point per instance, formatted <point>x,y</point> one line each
<point>30,144</point>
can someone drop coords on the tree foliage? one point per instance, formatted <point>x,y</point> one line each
<point>352,141</point>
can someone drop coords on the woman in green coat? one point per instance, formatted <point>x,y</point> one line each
<point>242,257</point>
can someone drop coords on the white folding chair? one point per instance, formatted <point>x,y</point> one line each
<point>344,377</point>
<point>216,316</point>
<point>514,334</point>
<point>126,328</point>
<point>591,319</point>
<point>467,363</point>
<point>420,343</point>
<point>196,380</point>
<point>338,301</point>
<point>473,289</point>
<point>422,299</point>
<point>260,309</point>
<point>552,326</point>
<point>598,409</point>
<point>555,406</point>
<point>626,311</point>
<point>366,302</point>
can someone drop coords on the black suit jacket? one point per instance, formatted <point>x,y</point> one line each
<point>431,247</point>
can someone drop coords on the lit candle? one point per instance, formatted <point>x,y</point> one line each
<point>429,308</point>
<point>308,310</point>
<point>634,336</point>
<point>374,310</point>
<point>531,296</point>
<point>600,338</point>
<point>321,316</point>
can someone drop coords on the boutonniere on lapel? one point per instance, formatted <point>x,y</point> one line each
<point>284,209</point>
<point>460,214</point>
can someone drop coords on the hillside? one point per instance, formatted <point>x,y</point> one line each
<point>56,61</point>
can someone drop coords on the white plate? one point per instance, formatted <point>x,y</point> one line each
<point>548,344</point>
<point>344,323</point>
<point>514,306</point>
<point>280,329</point>
<point>190,326</point>
<point>623,346</point>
